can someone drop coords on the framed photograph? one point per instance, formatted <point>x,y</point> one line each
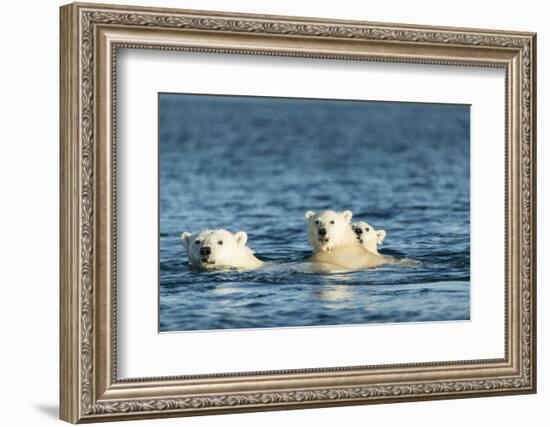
<point>266,212</point>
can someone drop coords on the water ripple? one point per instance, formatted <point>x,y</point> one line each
<point>247,164</point>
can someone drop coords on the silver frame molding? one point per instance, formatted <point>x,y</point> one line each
<point>90,37</point>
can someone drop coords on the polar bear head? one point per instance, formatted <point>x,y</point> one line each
<point>329,229</point>
<point>214,249</point>
<point>368,236</point>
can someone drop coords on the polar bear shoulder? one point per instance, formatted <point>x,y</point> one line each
<point>350,257</point>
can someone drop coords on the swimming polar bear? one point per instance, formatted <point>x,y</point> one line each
<point>335,244</point>
<point>219,249</point>
<point>368,236</point>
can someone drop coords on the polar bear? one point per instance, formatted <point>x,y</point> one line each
<point>329,229</point>
<point>368,236</point>
<point>219,249</point>
<point>334,242</point>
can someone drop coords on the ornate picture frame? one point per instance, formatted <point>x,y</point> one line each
<point>90,37</point>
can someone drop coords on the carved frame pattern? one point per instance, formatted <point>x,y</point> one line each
<point>80,23</point>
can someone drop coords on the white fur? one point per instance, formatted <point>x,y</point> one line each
<point>227,250</point>
<point>368,236</point>
<point>338,248</point>
<point>337,226</point>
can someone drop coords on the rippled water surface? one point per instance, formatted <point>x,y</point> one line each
<point>257,164</point>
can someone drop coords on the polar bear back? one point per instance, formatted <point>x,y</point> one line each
<point>351,257</point>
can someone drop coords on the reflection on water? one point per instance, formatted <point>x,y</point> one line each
<point>339,277</point>
<point>225,291</point>
<point>258,164</point>
<point>334,293</point>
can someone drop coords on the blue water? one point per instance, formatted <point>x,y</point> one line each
<point>257,164</point>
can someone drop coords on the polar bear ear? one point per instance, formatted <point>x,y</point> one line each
<point>380,234</point>
<point>309,214</point>
<point>348,215</point>
<point>186,238</point>
<point>241,238</point>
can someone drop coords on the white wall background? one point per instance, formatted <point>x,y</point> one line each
<point>29,171</point>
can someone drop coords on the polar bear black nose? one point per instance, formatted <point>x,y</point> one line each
<point>358,231</point>
<point>205,251</point>
<point>322,231</point>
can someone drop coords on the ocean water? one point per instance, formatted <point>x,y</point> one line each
<point>258,164</point>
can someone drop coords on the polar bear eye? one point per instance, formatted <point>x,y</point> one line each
<point>317,221</point>
<point>197,242</point>
<point>367,229</point>
<point>332,222</point>
<point>220,242</point>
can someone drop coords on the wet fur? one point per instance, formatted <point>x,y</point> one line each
<point>343,250</point>
<point>351,257</point>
